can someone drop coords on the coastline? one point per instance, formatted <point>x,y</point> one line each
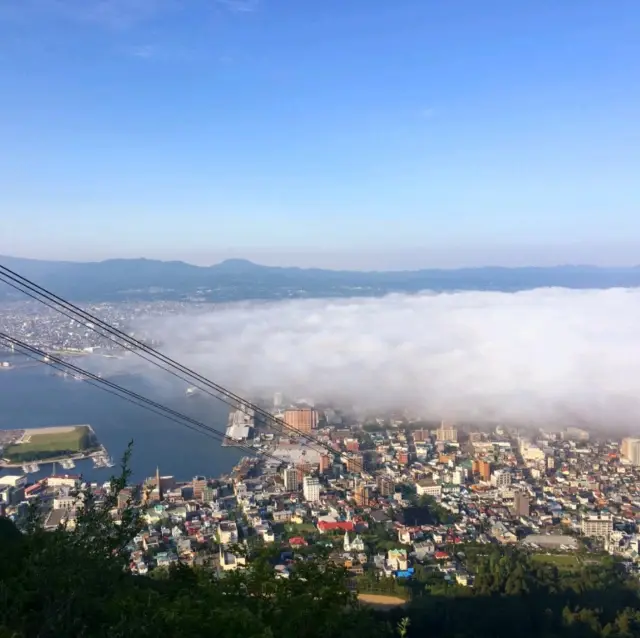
<point>96,450</point>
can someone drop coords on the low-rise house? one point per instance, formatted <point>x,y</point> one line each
<point>424,549</point>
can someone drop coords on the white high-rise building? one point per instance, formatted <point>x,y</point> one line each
<point>597,525</point>
<point>501,478</point>
<point>458,476</point>
<point>277,400</point>
<point>311,489</point>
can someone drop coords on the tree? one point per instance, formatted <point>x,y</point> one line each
<point>76,584</point>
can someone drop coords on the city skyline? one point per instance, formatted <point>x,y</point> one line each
<point>388,136</point>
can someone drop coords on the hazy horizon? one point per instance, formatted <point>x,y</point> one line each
<point>409,259</point>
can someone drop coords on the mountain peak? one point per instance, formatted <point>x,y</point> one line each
<point>236,265</point>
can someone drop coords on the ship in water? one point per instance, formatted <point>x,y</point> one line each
<point>102,459</point>
<point>67,464</point>
<point>28,468</point>
<point>191,392</point>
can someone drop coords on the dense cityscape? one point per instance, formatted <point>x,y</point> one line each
<point>408,509</point>
<point>389,499</point>
<point>50,330</point>
<point>389,496</point>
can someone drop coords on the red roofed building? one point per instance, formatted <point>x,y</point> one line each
<point>297,541</point>
<point>35,488</point>
<point>343,526</point>
<point>441,555</point>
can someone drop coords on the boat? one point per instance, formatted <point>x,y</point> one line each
<point>191,391</point>
<point>102,460</point>
<point>28,468</point>
<point>67,464</point>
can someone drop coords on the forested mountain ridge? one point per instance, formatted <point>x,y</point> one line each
<point>237,279</point>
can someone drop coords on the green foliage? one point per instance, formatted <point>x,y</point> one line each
<point>76,584</point>
<point>515,593</point>
<point>439,514</point>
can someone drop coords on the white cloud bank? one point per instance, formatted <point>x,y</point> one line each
<point>547,355</point>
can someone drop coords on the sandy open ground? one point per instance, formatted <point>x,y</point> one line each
<point>379,600</point>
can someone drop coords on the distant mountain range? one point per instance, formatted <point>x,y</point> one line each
<point>237,279</point>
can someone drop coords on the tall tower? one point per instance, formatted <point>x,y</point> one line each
<point>158,484</point>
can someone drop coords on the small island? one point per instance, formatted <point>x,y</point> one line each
<point>47,445</point>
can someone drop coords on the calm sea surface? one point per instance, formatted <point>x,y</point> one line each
<point>34,397</point>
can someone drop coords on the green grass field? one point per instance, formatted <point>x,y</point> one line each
<point>561,561</point>
<point>50,445</point>
<point>300,528</point>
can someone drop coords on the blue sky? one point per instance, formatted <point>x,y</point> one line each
<point>345,133</point>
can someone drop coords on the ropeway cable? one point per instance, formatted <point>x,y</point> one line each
<point>131,344</point>
<point>124,393</point>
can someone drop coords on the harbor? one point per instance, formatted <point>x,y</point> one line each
<point>29,449</point>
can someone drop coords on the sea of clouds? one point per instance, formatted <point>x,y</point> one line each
<point>540,356</point>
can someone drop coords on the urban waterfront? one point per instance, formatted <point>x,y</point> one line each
<point>34,397</point>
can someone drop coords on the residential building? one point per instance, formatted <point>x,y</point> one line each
<point>446,433</point>
<point>228,532</point>
<point>423,549</point>
<point>290,476</point>
<point>352,445</point>
<point>521,504</point>
<point>64,480</point>
<point>397,559</point>
<point>501,478</point>
<point>209,493</point>
<point>630,450</point>
<point>199,484</point>
<point>66,500</point>
<point>325,463</point>
<point>482,468</point>
<point>231,562</point>
<point>361,494</point>
<point>386,486</point>
<point>14,480</point>
<point>303,420</point>
<point>355,462</point>
<point>311,489</point>
<point>458,476</point>
<point>428,487</point>
<point>597,525</point>
<point>403,457</point>
<point>281,516</point>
